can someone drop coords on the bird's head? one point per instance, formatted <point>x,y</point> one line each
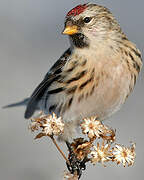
<point>88,24</point>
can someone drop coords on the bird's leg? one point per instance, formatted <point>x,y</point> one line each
<point>83,163</point>
<point>69,165</point>
<point>69,146</point>
<point>75,164</point>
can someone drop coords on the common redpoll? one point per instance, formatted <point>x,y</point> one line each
<point>94,76</point>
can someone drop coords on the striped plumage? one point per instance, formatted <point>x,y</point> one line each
<point>94,76</point>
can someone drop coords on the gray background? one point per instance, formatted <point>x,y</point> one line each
<point>30,42</point>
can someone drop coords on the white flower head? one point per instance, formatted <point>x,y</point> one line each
<point>101,154</point>
<point>53,126</point>
<point>49,125</point>
<point>92,127</point>
<point>124,155</point>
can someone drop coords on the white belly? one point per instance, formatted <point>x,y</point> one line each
<point>106,99</point>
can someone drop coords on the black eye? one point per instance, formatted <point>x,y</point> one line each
<point>87,19</point>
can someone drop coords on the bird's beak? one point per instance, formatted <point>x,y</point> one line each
<point>70,30</point>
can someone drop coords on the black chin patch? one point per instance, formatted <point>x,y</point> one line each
<point>79,40</point>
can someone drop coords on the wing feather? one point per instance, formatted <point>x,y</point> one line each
<point>50,77</point>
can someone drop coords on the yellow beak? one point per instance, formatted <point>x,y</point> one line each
<point>70,30</point>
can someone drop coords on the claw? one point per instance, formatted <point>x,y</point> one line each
<point>74,164</point>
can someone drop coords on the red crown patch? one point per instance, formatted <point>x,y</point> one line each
<point>77,10</point>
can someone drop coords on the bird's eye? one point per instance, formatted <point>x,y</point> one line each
<point>87,19</point>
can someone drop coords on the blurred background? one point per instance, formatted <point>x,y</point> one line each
<point>30,42</point>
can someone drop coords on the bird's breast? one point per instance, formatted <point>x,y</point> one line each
<point>100,89</point>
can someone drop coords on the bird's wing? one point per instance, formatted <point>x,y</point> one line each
<point>50,77</point>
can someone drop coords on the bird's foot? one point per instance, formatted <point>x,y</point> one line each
<point>75,165</point>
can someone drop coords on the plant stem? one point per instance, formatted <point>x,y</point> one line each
<point>58,148</point>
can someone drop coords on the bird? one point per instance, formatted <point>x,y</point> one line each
<point>94,76</point>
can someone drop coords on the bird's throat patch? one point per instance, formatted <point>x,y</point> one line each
<point>79,40</point>
<point>77,10</point>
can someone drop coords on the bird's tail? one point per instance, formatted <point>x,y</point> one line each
<point>21,103</point>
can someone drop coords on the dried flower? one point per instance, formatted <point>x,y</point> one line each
<point>101,154</point>
<point>50,125</point>
<point>69,176</point>
<point>82,151</point>
<point>108,134</point>
<point>92,127</point>
<point>124,155</point>
<point>81,148</point>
